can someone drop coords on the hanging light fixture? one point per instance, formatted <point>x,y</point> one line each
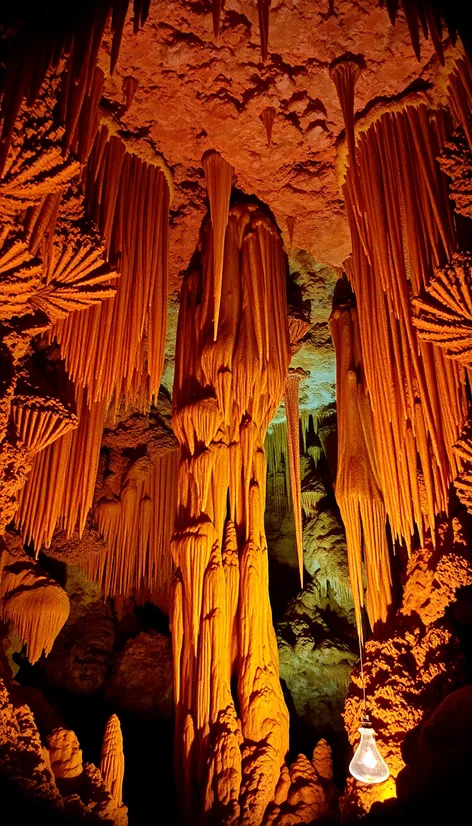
<point>367,765</point>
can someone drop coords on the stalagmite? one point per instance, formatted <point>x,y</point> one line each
<point>219,176</point>
<point>35,605</point>
<point>267,118</point>
<point>65,754</point>
<point>293,431</point>
<point>112,763</point>
<point>225,393</point>
<point>323,760</point>
<point>445,319</point>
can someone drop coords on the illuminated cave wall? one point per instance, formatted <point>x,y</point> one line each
<point>208,496</point>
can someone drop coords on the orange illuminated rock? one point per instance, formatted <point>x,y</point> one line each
<point>225,393</point>
<point>357,482</point>
<point>65,754</point>
<point>445,317</point>
<point>303,793</point>
<point>456,161</point>
<point>36,605</point>
<point>267,118</point>
<point>412,661</point>
<point>418,397</point>
<point>112,763</point>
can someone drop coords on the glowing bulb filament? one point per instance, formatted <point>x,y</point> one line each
<point>368,765</point>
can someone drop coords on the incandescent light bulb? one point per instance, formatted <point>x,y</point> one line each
<point>368,765</point>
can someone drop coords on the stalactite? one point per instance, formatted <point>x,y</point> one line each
<point>267,118</point>
<point>117,349</point>
<point>276,448</point>
<point>219,176</point>
<point>51,495</point>
<point>293,431</point>
<point>137,527</point>
<point>112,763</point>
<point>401,227</point>
<point>35,605</point>
<point>217,7</point>
<point>291,220</point>
<point>264,9</point>
<point>130,85</point>
<point>445,318</point>
<point>357,482</point>
<point>40,421</point>
<point>41,44</point>
<point>344,73</point>
<point>225,394</point>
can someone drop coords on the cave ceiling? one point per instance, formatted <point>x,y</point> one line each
<point>192,92</point>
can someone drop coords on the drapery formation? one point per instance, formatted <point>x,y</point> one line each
<point>357,483</point>
<point>136,518</point>
<point>401,226</point>
<point>228,753</point>
<point>114,351</point>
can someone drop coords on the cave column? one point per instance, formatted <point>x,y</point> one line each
<point>231,719</point>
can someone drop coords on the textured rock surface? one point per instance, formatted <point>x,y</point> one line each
<point>28,782</point>
<point>141,679</point>
<point>315,661</point>
<point>305,792</point>
<point>82,655</point>
<point>412,662</point>
<point>35,605</point>
<point>217,90</point>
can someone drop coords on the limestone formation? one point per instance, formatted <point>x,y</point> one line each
<point>65,756</point>
<point>154,158</point>
<point>112,763</point>
<point>445,318</point>
<point>413,661</point>
<point>141,678</point>
<point>226,389</point>
<point>34,603</point>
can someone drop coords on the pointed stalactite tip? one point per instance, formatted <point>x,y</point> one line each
<point>263,9</point>
<point>267,118</point>
<point>291,221</point>
<point>217,7</point>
